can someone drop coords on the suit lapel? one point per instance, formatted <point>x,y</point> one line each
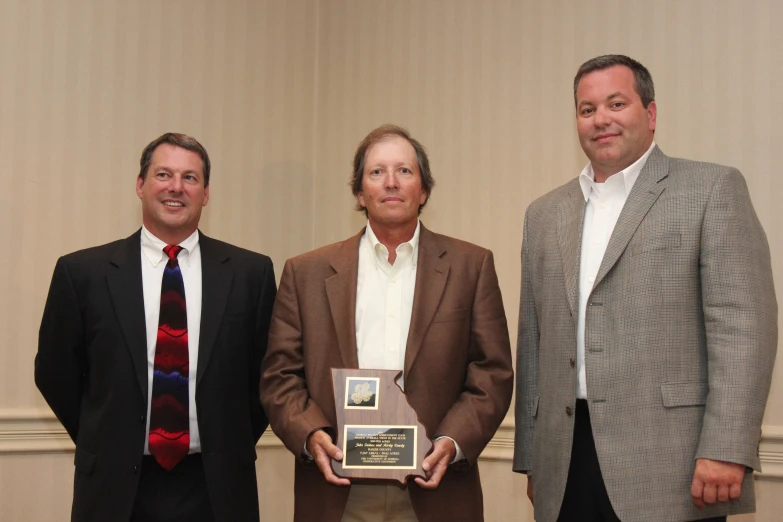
<point>431,275</point>
<point>216,278</point>
<point>127,296</point>
<point>645,192</point>
<point>571,215</point>
<point>341,292</point>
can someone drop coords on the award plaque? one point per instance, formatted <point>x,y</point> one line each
<point>377,430</point>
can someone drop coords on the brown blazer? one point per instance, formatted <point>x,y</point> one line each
<point>458,373</point>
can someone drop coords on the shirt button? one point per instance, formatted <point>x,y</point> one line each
<point>569,412</point>
<point>603,205</point>
<point>392,315</point>
<point>591,280</point>
<point>597,242</point>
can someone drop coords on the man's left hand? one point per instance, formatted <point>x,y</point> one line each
<point>443,451</point>
<point>716,481</point>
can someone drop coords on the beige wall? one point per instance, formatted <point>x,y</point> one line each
<point>280,92</point>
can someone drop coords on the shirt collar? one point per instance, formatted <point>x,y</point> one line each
<point>628,175</point>
<point>152,247</point>
<point>380,253</point>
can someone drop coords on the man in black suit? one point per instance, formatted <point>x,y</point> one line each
<point>149,354</point>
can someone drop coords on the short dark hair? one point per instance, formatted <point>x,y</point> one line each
<point>644,82</point>
<point>178,140</point>
<point>379,134</point>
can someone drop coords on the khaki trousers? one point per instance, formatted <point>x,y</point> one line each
<point>371,503</point>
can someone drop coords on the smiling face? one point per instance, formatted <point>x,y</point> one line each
<point>614,127</point>
<point>391,185</point>
<point>173,193</point>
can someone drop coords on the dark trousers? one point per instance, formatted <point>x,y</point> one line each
<point>179,495</point>
<point>586,499</point>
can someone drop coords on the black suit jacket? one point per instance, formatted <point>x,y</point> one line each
<point>91,368</point>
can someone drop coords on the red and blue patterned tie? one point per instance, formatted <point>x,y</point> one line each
<point>169,438</point>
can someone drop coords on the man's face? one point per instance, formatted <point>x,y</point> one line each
<point>391,184</point>
<point>173,193</point>
<point>614,128</point>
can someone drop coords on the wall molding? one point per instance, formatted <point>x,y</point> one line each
<point>37,431</point>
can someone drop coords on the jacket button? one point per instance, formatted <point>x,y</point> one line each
<point>135,469</point>
<point>569,412</point>
<point>572,361</point>
<point>141,418</point>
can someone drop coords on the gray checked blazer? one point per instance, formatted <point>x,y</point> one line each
<point>680,340</point>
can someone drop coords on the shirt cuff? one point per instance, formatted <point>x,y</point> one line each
<point>457,456</point>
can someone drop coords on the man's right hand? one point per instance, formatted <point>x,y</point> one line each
<point>530,488</point>
<point>320,446</point>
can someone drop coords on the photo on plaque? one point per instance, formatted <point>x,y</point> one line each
<point>361,393</point>
<point>379,447</point>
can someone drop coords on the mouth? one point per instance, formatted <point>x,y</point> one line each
<point>601,138</point>
<point>392,199</point>
<point>174,204</point>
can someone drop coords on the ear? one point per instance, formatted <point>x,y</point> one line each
<point>206,196</point>
<point>424,196</point>
<point>652,114</point>
<point>360,199</point>
<point>139,185</point>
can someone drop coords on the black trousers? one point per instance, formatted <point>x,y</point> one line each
<point>586,499</point>
<point>179,495</point>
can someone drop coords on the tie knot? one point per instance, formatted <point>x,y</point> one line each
<point>172,251</point>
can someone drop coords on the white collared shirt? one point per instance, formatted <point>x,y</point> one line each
<point>384,301</point>
<point>153,261</point>
<point>604,202</point>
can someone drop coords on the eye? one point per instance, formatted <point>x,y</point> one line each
<point>161,175</point>
<point>375,172</point>
<point>586,111</point>
<point>618,105</point>
<point>190,178</point>
<point>405,170</point>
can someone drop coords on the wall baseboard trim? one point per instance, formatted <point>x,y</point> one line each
<point>37,431</point>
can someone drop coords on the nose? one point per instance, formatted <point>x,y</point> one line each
<point>391,181</point>
<point>175,185</point>
<point>601,117</point>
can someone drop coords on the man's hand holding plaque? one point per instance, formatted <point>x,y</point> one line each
<point>320,447</point>
<point>379,436</point>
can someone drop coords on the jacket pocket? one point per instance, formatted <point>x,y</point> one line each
<point>688,393</point>
<point>84,460</point>
<point>667,241</point>
<point>450,315</point>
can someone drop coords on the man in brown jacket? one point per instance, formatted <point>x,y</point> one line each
<point>395,296</point>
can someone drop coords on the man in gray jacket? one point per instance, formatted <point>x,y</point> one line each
<point>647,324</point>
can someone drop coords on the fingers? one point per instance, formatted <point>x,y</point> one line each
<point>735,490</point>
<point>320,446</point>
<point>697,492</point>
<point>716,481</point>
<point>436,463</point>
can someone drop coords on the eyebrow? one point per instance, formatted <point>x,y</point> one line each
<point>158,168</point>
<point>610,97</point>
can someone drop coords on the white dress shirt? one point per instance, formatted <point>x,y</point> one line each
<point>604,203</point>
<point>384,301</point>
<point>153,261</point>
